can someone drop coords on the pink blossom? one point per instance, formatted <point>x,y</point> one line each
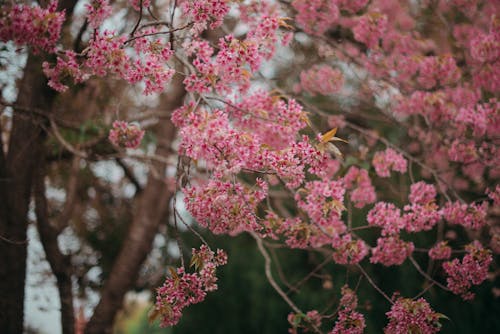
<point>370,29</point>
<point>386,216</point>
<point>391,251</point>
<point>421,217</point>
<point>494,195</point>
<point>422,193</point>
<point>348,251</point>
<point>125,135</point>
<point>66,68</point>
<point>472,270</point>
<point>183,289</point>
<point>322,80</point>
<point>360,185</point>
<point>385,161</point>
<point>407,315</point>
<point>308,321</point>
<point>349,321</point>
<point>316,16</point>
<point>471,216</point>
<point>440,251</point>
<point>225,207</point>
<point>32,25</point>
<point>97,12</point>
<point>205,14</point>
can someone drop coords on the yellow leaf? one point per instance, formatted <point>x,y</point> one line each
<point>337,206</point>
<point>330,136</point>
<point>327,136</point>
<point>173,273</point>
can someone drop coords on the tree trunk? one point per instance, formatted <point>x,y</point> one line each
<point>59,263</point>
<point>152,205</point>
<point>17,169</point>
<point>26,140</point>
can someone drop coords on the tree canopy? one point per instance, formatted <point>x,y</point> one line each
<point>335,162</point>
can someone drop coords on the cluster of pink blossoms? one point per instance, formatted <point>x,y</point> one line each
<point>471,216</point>
<point>205,14</point>
<point>385,161</point>
<point>183,289</point>
<point>360,187</point>
<point>225,207</point>
<point>391,251</point>
<point>307,322</point>
<point>472,270</point>
<point>349,320</point>
<point>276,122</point>
<point>370,28</point>
<point>485,52</point>
<point>433,71</point>
<point>495,195</point>
<point>97,12</point>
<point>32,25</point>
<point>316,16</point>
<point>66,69</point>
<point>322,80</point>
<point>125,134</point>
<point>412,316</point>
<point>422,214</point>
<point>107,54</point>
<point>387,216</point>
<point>323,203</point>
<point>349,251</point>
<point>440,251</point>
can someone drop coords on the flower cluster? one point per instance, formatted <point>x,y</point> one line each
<point>385,161</point>
<point>323,203</point>
<point>391,251</point>
<point>386,216</point>
<point>370,29</point>
<point>125,134</point>
<point>471,216</point>
<point>106,54</point>
<point>316,16</point>
<point>349,321</point>
<point>440,251</point>
<point>225,207</point>
<point>349,251</point>
<point>472,270</point>
<point>322,80</point>
<point>35,26</point>
<point>360,187</point>
<point>412,316</point>
<point>205,14</point>
<point>183,289</point>
<point>422,193</point>
<point>66,68</point>
<point>308,322</point>
<point>97,12</point>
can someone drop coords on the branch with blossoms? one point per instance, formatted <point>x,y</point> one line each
<point>249,142</point>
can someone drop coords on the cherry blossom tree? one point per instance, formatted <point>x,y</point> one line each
<point>292,117</point>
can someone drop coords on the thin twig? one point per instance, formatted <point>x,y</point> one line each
<point>423,273</point>
<point>375,286</point>
<point>273,283</point>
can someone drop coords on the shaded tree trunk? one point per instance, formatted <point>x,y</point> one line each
<point>18,168</point>
<point>152,205</point>
<point>59,263</point>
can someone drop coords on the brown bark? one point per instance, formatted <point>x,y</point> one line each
<point>17,170</point>
<point>27,137</point>
<point>59,263</point>
<point>152,205</point>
